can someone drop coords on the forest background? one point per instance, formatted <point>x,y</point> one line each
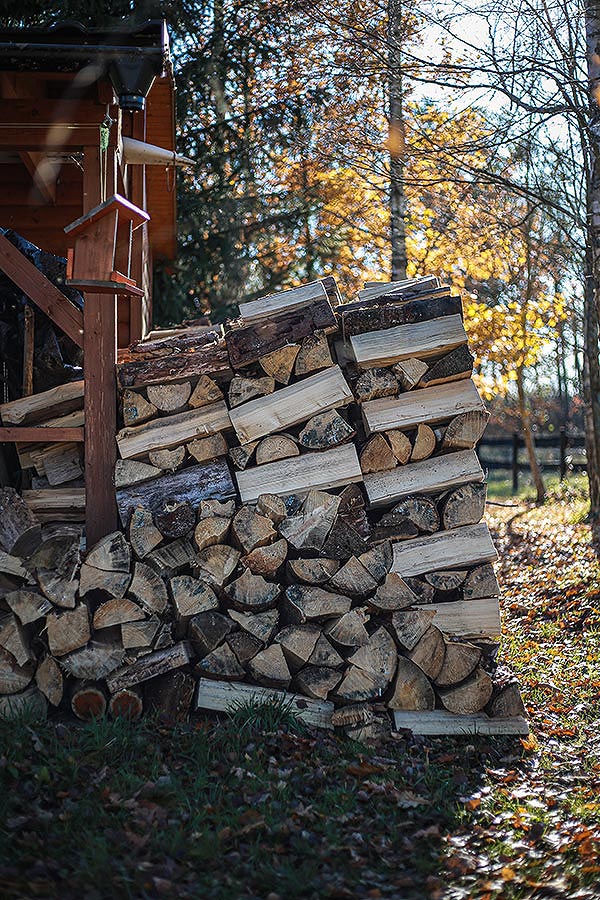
<point>378,139</point>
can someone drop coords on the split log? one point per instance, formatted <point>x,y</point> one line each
<point>132,471</point>
<point>374,384</point>
<point>326,469</point>
<point>89,702</point>
<point>211,531</point>
<point>280,363</point>
<point>95,661</point>
<point>446,581</point>
<point>173,557</point>
<point>309,529</point>
<point>468,697</point>
<point>126,704</point>
<point>273,305</point>
<point>464,506</point>
<point>96,582</point>
<point>245,646</point>
<point>261,625</point>
<point>168,460</point>
<point>421,511</point>
<point>68,631</point>
<point>353,510</point>
<point>175,519</point>
<point>392,595</point>
<point>139,634</point>
<point>429,652</point>
<point>208,448</point>
<point>178,358</point>
<point>169,398</point>
<point>241,389</point>
<point>252,593</point>
<point>170,696</point>
<point>116,612</point>
<point>409,372</point>
<point>248,343</point>
<point>389,315</point>
<point>206,392</point>
<point>473,619</point>
<point>149,666</point>
<point>441,722</point>
<point>136,409</point>
<point>210,508</point>
<point>325,430</point>
<point>59,551</point>
<point>12,565</point>
<point>269,668</point>
<point>207,630</point>
<point>274,447</point>
<point>148,588</point>
<point>378,656</point>
<point>376,455</point>
<point>29,705</point>
<point>63,591</point>
<point>424,444</point>
<point>343,542</point>
<point>325,654</point>
<point>426,477</point>
<point>358,684</point>
<point>216,564</point>
<point>221,663</point>
<point>171,431</point>
<point>38,407</point>
<point>271,506</point>
<point>191,596</point>
<point>13,677</point>
<point>400,445</point>
<point>222,697</point>
<point>410,625</point>
<point>298,643</point>
<point>59,463</point>
<point>49,680</point>
<point>378,560</point>
<point>460,661</point>
<point>144,536</point>
<point>360,714</point>
<point>480,583</point>
<point>196,483</point>
<point>252,530</point>
<point>465,546</point>
<point>65,504</point>
<point>317,681</point>
<point>304,603</point>
<point>465,430</point>
<point>421,340</point>
<point>20,531</point>
<point>403,530</point>
<point>353,579</point>
<point>454,366</point>
<point>313,571</point>
<point>349,631</point>
<point>14,639</point>
<point>27,606</point>
<point>292,404</point>
<point>111,554</point>
<point>332,290</point>
<point>412,688</point>
<point>376,291</point>
<point>313,355</point>
<point>266,560</point>
<point>506,701</point>
<point>164,638</point>
<point>428,406</point>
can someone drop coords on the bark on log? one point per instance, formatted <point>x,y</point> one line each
<point>375,383</point>
<point>389,315</point>
<point>454,366</point>
<point>325,430</point>
<point>172,431</point>
<point>176,359</point>
<point>20,531</point>
<point>149,666</point>
<point>175,519</point>
<point>170,696</point>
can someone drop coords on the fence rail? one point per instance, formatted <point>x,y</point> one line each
<point>562,451</point>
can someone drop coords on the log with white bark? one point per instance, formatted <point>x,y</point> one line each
<point>429,476</point>
<point>441,722</point>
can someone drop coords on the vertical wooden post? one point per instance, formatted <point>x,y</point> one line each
<point>515,462</point>
<point>138,309</point>
<point>28,349</point>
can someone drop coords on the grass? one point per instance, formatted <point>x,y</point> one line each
<point>256,805</point>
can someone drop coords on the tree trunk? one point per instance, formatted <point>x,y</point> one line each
<point>396,142</point>
<point>591,393</point>
<point>536,473</point>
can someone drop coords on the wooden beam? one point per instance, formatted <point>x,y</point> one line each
<point>429,476</point>
<point>49,113</point>
<point>41,291</point>
<point>224,696</point>
<point>41,434</point>
<point>43,172</point>
<point>421,340</point>
<point>26,218</point>
<point>426,406</point>
<point>467,546</point>
<point>44,138</point>
<point>440,721</point>
<point>299,474</point>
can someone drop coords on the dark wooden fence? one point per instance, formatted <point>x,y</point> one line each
<point>560,451</point>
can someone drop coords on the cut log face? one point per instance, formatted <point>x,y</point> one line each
<point>62,592</point>
<point>126,704</point>
<point>131,471</point>
<point>476,618</point>
<point>13,677</point>
<point>271,506</point>
<point>207,448</point>
<point>252,593</point>
<point>241,456</point>
<point>261,625</point>
<point>221,663</point>
<point>175,519</point>
<point>325,430</point>
<point>148,588</point>
<point>59,463</point>
<point>207,630</point>
<point>115,612</point>
<point>217,564</point>
<point>245,646</point>
<point>378,561</point>
<point>27,606</point>
<point>429,653</point>
<point>309,530</point>
<point>207,391</point>
<point>409,372</point>
<point>446,581</point>
<point>274,447</point>
<point>360,714</point>
<point>88,702</point>
<point>353,579</point>
<point>358,685</point>
<point>243,389</point>
<point>424,444</point>
<point>136,409</point>
<point>169,398</point>
<point>507,702</point>
<point>30,704</point>
<point>270,668</point>
<point>377,456</point>
<point>378,656</point>
<point>421,511</point>
<point>139,634</point>
<point>349,631</point>
<point>468,697</point>
<point>325,654</point>
<point>14,639</point>
<point>464,506</point>
<point>168,460</point>
<point>392,595</point>
<point>280,363</point>
<point>173,557</point>
<point>317,681</point>
<point>68,631</point>
<point>211,531</point>
<point>460,661</point>
<point>12,565</point>
<point>353,510</point>
<point>481,582</point>
<point>266,560</point>
<point>466,430</point>
<point>49,680</point>
<point>412,688</point>
<point>313,355</point>
<point>149,666</point>
<point>312,571</point>
<point>423,592</point>
<point>298,643</point>
<point>191,596</point>
<point>304,603</point>
<point>400,445</point>
<point>20,531</point>
<point>209,508</point>
<point>375,383</point>
<point>252,530</point>
<point>95,661</point>
<point>343,542</point>
<point>410,625</point>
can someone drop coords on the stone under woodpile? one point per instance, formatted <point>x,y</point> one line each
<point>302,518</point>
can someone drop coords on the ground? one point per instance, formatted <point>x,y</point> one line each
<point>256,807</point>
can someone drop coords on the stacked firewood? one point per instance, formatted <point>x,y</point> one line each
<point>301,505</point>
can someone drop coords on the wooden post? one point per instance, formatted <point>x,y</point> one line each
<point>515,462</point>
<point>563,452</point>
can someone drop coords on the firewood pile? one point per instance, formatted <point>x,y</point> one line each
<point>301,506</point>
